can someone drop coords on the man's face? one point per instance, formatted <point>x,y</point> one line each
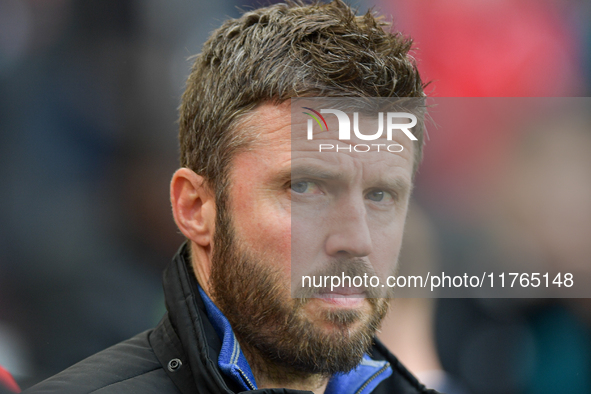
<point>291,211</point>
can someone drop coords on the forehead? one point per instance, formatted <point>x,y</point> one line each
<point>280,134</point>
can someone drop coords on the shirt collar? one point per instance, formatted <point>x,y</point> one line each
<point>231,360</point>
<point>361,380</point>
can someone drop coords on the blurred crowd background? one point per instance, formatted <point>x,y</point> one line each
<point>88,98</point>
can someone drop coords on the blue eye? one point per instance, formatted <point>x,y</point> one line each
<point>299,187</point>
<point>379,196</point>
<point>306,187</point>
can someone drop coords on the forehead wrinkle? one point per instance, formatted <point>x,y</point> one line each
<point>264,127</point>
<point>265,138</point>
<point>390,174</point>
<point>273,121</point>
<point>317,172</point>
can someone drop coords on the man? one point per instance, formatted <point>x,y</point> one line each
<point>246,199</point>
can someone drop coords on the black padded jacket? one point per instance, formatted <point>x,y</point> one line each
<point>180,355</point>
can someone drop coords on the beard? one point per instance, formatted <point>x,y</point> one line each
<point>271,326</point>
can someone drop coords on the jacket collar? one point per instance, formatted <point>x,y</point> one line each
<point>186,333</point>
<point>233,364</point>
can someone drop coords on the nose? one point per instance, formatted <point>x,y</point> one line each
<point>349,231</point>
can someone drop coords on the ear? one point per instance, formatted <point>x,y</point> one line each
<point>193,207</point>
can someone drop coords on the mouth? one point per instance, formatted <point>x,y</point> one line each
<point>342,297</point>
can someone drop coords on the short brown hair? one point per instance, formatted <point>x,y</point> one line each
<point>279,52</point>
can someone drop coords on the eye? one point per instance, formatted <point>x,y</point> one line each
<point>379,196</point>
<point>306,187</point>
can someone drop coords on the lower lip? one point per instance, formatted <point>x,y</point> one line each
<point>342,301</point>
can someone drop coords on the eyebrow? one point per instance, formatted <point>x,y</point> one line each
<point>315,172</point>
<point>399,185</point>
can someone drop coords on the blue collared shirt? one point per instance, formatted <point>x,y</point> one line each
<point>361,380</point>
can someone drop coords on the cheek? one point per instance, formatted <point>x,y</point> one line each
<point>387,243</point>
<point>265,228</point>
<point>309,234</point>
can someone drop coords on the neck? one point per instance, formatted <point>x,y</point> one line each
<point>270,375</point>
